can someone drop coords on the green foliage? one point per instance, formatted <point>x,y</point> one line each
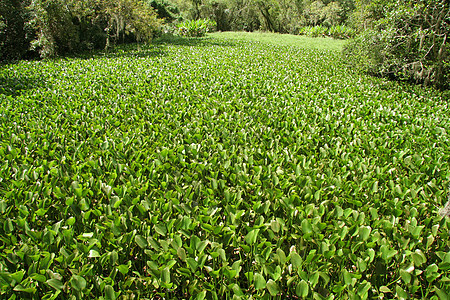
<point>219,169</point>
<point>270,38</point>
<point>165,10</point>
<point>196,28</point>
<point>341,32</point>
<point>314,31</point>
<point>337,32</point>
<point>55,32</point>
<point>404,40</point>
<point>13,33</point>
<point>273,15</point>
<point>58,27</point>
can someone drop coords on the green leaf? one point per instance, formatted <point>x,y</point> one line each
<point>237,290</point>
<point>39,277</point>
<point>302,289</point>
<point>71,221</point>
<point>201,246</point>
<point>441,294</point>
<point>375,187</point>
<point>401,294</point>
<point>406,277</point>
<point>87,235</point>
<point>165,275</point>
<point>17,276</point>
<point>123,269</point>
<point>110,294</point>
<point>161,229</point>
<point>260,282</point>
<point>141,241</point>
<point>192,263</point>
<point>181,253</point>
<point>296,260</point>
<point>272,287</point>
<point>21,288</point>
<point>363,289</point>
<point>347,278</point>
<point>250,238</point>
<point>55,283</point>
<point>418,258</point>
<point>306,227</point>
<point>431,272</point>
<point>93,253</point>
<point>387,253</point>
<point>201,295</point>
<point>78,282</point>
<point>364,232</point>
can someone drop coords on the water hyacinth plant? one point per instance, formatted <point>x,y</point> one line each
<point>337,31</point>
<point>220,169</point>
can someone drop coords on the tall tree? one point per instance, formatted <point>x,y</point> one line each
<point>13,42</point>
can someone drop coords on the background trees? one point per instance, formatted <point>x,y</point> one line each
<point>403,39</point>
<point>269,15</point>
<point>52,27</point>
<point>13,41</point>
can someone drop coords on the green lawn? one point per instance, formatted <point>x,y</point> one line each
<point>233,165</point>
<point>282,39</point>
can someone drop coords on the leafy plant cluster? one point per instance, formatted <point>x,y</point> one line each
<point>195,28</point>
<point>215,169</point>
<point>337,32</point>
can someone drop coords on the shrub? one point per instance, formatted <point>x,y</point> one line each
<point>314,31</point>
<point>55,31</point>
<point>196,28</point>
<point>407,41</point>
<point>364,52</point>
<point>341,32</point>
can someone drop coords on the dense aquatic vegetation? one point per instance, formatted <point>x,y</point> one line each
<point>217,168</point>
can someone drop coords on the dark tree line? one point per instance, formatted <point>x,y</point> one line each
<point>53,27</point>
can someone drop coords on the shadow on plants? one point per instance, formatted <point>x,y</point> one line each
<point>17,84</point>
<point>169,39</point>
<point>125,50</point>
<point>136,52</point>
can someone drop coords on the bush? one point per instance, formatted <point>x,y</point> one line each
<point>314,31</point>
<point>407,41</point>
<point>364,52</point>
<point>341,32</point>
<point>55,31</point>
<point>196,28</point>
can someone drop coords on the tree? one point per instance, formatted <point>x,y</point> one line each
<point>129,17</point>
<point>55,32</point>
<point>404,39</point>
<point>66,26</point>
<point>13,41</point>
